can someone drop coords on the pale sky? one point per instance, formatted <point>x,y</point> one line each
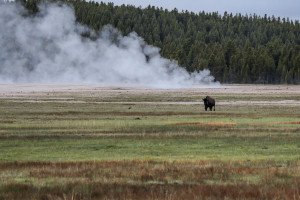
<point>278,8</point>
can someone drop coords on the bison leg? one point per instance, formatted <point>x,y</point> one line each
<point>214,108</point>
<point>210,108</point>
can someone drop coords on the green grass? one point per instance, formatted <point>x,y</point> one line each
<point>67,131</point>
<point>181,148</point>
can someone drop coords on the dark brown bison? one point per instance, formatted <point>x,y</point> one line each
<point>209,103</point>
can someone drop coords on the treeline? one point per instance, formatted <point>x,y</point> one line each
<point>235,48</point>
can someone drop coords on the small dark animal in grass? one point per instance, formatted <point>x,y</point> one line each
<point>209,103</point>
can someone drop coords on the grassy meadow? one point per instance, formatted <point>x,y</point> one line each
<point>124,143</point>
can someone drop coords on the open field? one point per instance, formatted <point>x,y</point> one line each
<point>100,142</point>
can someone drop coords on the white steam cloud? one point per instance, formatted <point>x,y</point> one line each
<point>49,48</point>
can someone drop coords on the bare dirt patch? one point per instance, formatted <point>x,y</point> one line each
<point>24,89</point>
<point>63,93</point>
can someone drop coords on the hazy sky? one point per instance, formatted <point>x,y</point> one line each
<point>278,8</point>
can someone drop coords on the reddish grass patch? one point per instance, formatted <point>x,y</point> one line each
<point>207,124</point>
<point>228,124</point>
<point>286,123</point>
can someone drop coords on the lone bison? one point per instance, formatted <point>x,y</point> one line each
<point>209,103</point>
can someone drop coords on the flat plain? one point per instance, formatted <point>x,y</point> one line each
<point>105,142</point>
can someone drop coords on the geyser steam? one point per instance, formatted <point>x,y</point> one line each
<point>49,48</point>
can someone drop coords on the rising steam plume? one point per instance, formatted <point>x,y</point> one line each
<point>49,48</point>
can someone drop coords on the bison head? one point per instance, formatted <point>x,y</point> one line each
<point>205,103</point>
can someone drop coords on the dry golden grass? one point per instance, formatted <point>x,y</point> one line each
<point>151,179</point>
